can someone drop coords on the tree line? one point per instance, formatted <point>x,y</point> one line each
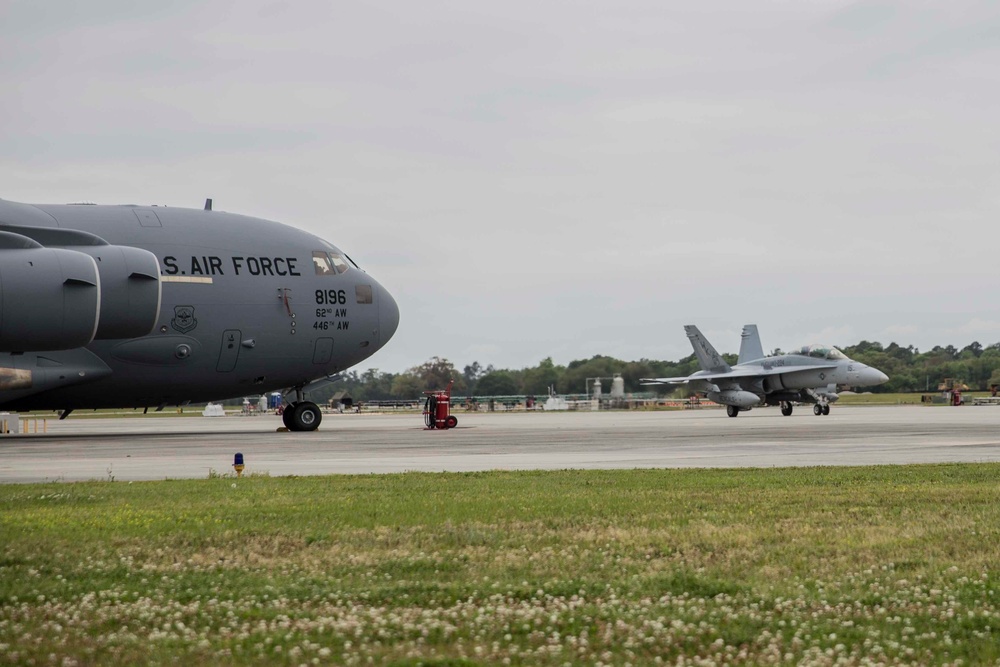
<point>909,370</point>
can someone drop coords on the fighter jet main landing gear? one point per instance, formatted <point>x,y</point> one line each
<point>821,409</point>
<point>786,408</point>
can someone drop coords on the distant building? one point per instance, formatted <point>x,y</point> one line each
<point>341,401</point>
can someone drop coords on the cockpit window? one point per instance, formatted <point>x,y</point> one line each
<point>329,263</point>
<point>820,352</point>
<point>339,262</point>
<point>322,263</point>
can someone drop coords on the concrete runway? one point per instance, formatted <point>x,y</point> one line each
<point>142,448</point>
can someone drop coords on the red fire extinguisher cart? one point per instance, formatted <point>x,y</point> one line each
<point>437,409</point>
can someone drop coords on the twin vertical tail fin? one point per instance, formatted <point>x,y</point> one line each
<point>708,358</point>
<point>750,347</point>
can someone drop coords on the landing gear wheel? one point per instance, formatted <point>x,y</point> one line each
<point>732,411</point>
<point>451,421</point>
<point>786,408</point>
<point>817,409</point>
<point>826,410</point>
<point>306,416</point>
<point>286,415</point>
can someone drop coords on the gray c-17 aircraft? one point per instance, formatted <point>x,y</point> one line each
<point>807,375</point>
<point>141,306</point>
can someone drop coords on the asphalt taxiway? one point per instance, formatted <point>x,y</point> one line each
<point>144,448</point>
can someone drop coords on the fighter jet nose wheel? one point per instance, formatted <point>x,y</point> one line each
<point>786,409</point>
<point>304,416</point>
<point>732,411</point>
<point>817,409</point>
<point>826,410</point>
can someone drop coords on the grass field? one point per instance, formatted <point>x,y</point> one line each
<point>817,566</point>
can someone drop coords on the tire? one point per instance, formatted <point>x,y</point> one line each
<point>817,409</point>
<point>732,411</point>
<point>306,416</point>
<point>826,410</point>
<point>786,409</point>
<point>430,407</point>
<point>451,421</point>
<point>286,415</point>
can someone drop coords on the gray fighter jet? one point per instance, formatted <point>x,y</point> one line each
<point>807,375</point>
<point>139,306</point>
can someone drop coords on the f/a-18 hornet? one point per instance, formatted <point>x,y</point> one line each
<point>138,306</point>
<point>807,375</point>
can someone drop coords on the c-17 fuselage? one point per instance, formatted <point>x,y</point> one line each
<point>128,306</point>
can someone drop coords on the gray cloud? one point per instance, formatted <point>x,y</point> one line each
<point>579,178</point>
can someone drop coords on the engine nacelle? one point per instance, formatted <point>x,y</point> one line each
<point>49,297</point>
<point>737,397</point>
<point>130,277</point>
<point>130,290</point>
<point>807,379</point>
<point>773,383</point>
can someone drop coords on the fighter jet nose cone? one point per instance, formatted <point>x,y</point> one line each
<point>873,376</point>
<point>388,316</point>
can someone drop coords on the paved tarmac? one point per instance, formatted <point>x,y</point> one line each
<point>143,448</point>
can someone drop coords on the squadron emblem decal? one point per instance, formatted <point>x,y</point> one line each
<point>183,319</point>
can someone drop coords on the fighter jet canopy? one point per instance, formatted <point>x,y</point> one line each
<point>818,351</point>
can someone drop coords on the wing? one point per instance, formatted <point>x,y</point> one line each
<point>704,375</point>
<point>735,373</point>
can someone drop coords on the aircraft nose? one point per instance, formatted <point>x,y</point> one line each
<point>872,376</point>
<point>388,316</point>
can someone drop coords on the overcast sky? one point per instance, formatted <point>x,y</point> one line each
<point>564,179</point>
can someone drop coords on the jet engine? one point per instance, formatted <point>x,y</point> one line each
<point>49,297</point>
<point>773,383</point>
<point>60,298</point>
<point>130,290</point>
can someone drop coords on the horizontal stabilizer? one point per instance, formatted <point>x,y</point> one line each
<point>664,380</point>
